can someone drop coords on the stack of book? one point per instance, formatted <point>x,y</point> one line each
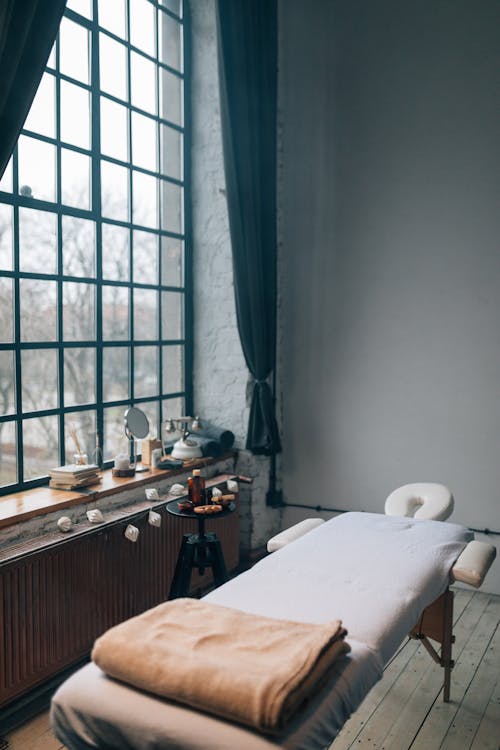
<point>74,476</point>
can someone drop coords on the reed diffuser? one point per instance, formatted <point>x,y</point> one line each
<point>80,457</point>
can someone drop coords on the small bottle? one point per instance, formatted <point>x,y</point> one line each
<point>97,453</point>
<point>196,488</point>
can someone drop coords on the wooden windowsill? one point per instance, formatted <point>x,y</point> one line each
<point>22,506</point>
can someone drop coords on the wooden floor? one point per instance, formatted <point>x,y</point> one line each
<point>405,709</point>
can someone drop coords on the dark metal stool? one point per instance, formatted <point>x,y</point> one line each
<point>199,550</point>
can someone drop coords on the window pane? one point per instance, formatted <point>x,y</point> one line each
<point>173,369</point>
<point>170,38</point>
<point>173,5</point>
<point>8,458</point>
<point>145,371</point>
<point>6,310</point>
<point>40,446</point>
<point>144,142</point>
<point>5,237</point>
<point>75,115</point>
<point>171,97</point>
<point>115,313</point>
<point>173,407</point>
<point>114,434</point>
<point>114,129</point>
<point>114,191</point>
<point>145,191</point>
<point>37,241</point>
<point>143,83</point>
<point>78,311</point>
<point>74,50</point>
<point>84,7</point>
<point>113,66</point>
<point>6,181</point>
<point>172,265</point>
<point>151,412</point>
<point>142,26</point>
<point>78,236</point>
<point>75,177</point>
<point>7,390</point>
<point>172,315</point>
<point>112,16</point>
<point>82,424</point>
<point>145,257</point>
<point>51,62</point>
<point>171,146</point>
<point>38,310</point>
<point>37,169</point>
<point>145,314</point>
<point>39,379</point>
<point>115,371</point>
<point>79,376</point>
<point>171,207</point>
<point>41,117</point>
<point>115,253</point>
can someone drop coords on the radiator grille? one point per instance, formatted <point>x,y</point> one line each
<point>55,602</point>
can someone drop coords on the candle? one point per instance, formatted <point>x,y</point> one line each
<point>122,461</point>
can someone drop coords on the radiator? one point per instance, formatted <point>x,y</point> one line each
<point>54,602</point>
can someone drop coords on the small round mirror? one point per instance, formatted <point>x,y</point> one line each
<point>136,423</point>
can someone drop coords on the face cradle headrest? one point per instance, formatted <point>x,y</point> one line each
<point>424,500</point>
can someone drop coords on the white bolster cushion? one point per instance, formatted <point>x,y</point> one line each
<point>293,533</point>
<point>474,562</point>
<point>425,500</point>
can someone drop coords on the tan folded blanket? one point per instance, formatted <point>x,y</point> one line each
<point>250,669</point>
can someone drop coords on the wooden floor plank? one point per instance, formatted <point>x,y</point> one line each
<point>461,601</point>
<point>488,734</point>
<point>35,735</point>
<point>482,684</point>
<point>355,725</point>
<point>474,631</point>
<point>428,691</point>
<point>378,725</point>
<point>378,718</point>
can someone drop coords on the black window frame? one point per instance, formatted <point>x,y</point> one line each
<point>17,201</point>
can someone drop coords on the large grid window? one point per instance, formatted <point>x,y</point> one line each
<point>94,309</point>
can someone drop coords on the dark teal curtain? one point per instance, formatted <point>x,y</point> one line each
<point>247,33</point>
<point>27,32</point>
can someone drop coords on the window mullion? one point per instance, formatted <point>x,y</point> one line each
<point>97,210</point>
<point>60,290</point>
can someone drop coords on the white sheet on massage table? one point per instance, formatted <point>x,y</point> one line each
<point>375,572</point>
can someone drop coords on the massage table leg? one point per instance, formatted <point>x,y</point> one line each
<point>436,622</point>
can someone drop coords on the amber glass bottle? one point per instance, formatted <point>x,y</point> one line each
<point>196,488</point>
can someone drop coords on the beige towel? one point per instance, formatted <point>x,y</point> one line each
<point>250,669</point>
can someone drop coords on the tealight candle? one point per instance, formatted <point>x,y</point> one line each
<point>122,461</point>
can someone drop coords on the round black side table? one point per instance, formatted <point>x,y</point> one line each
<point>199,550</point>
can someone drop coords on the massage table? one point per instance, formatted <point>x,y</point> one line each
<point>375,572</point>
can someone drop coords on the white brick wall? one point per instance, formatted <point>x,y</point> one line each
<point>220,372</point>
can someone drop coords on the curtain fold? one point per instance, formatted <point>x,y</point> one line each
<point>27,32</point>
<point>247,36</point>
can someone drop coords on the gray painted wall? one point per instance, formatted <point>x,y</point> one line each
<point>390,244</point>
